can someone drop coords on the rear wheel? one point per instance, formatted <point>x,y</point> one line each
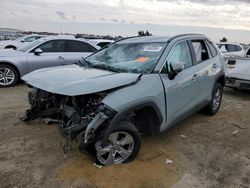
<point>215,103</point>
<point>123,145</point>
<point>8,76</point>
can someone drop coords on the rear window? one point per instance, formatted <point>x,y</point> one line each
<point>233,48</point>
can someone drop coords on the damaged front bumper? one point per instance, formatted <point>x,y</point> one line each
<point>80,118</point>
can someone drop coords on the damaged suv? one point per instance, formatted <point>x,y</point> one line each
<point>139,85</point>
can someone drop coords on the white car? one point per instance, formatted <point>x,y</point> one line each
<point>238,73</point>
<point>230,50</point>
<point>247,52</point>
<point>19,42</point>
<point>100,42</point>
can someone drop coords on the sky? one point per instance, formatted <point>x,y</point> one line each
<point>215,18</point>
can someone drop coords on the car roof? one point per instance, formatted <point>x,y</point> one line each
<point>142,39</point>
<point>48,38</point>
<point>228,43</point>
<point>100,40</point>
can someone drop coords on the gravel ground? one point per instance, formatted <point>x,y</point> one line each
<point>205,151</point>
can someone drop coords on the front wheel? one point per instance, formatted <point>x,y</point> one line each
<point>215,103</point>
<point>8,76</point>
<point>123,145</point>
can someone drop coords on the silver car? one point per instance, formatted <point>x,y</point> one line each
<point>42,53</point>
<point>136,86</point>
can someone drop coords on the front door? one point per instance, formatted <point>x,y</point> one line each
<point>53,54</point>
<point>182,91</point>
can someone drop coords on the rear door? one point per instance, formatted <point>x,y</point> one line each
<point>53,55</point>
<point>76,50</point>
<point>182,91</point>
<point>208,66</point>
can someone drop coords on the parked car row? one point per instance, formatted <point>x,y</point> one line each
<point>139,85</point>
<point>14,44</point>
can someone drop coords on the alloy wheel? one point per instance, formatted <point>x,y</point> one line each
<point>216,99</point>
<point>118,149</point>
<point>7,76</point>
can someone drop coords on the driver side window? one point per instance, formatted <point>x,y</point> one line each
<point>52,46</point>
<point>179,53</point>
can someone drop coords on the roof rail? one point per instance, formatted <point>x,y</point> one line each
<point>182,35</point>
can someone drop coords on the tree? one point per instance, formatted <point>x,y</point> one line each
<point>142,33</point>
<point>224,39</point>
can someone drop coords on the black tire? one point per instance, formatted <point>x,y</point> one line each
<point>211,109</point>
<point>10,47</point>
<point>130,129</point>
<point>16,75</point>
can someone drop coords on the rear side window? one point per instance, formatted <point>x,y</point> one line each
<point>78,46</point>
<point>200,50</point>
<point>231,48</point>
<point>53,46</point>
<point>102,44</point>
<point>238,48</point>
<point>212,49</point>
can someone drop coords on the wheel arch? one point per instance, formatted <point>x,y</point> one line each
<point>10,46</point>
<point>13,66</point>
<point>147,111</point>
<point>221,80</point>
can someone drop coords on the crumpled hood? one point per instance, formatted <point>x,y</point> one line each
<point>73,80</point>
<point>10,53</point>
<point>241,70</point>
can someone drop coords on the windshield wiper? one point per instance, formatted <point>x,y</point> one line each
<point>105,67</point>
<point>85,62</point>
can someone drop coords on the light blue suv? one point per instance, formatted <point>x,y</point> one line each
<point>139,85</point>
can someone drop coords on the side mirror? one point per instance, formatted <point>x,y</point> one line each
<point>176,67</point>
<point>38,51</point>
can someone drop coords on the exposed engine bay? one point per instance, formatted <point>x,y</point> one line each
<point>78,116</point>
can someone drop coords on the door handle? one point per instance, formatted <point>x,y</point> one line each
<point>60,58</point>
<point>214,65</point>
<point>195,76</point>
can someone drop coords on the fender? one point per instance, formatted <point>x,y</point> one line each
<point>135,107</point>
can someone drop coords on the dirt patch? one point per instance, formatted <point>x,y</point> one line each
<point>206,151</point>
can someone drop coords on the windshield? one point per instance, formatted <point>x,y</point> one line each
<point>21,38</point>
<point>128,57</point>
<point>29,46</point>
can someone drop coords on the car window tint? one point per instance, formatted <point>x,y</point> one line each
<point>30,39</point>
<point>78,46</point>
<point>248,52</point>
<point>212,48</point>
<point>200,50</point>
<point>231,48</point>
<point>52,46</point>
<point>102,44</point>
<point>238,48</point>
<point>180,52</point>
